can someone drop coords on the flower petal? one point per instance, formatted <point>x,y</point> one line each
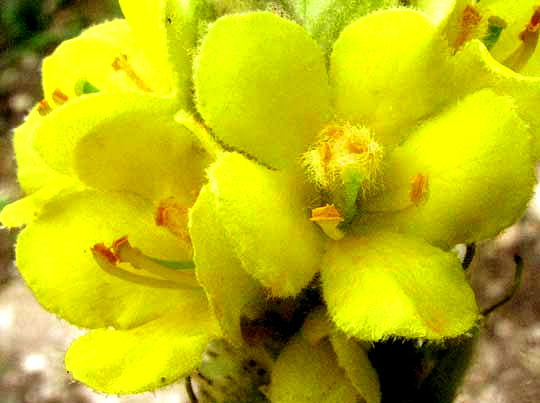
<point>33,172</point>
<point>231,291</point>
<point>261,85</point>
<point>387,285</point>
<point>305,374</point>
<point>387,71</point>
<point>147,357</point>
<point>354,360</point>
<point>124,142</point>
<point>436,10</point>
<point>91,55</point>
<point>167,31</point>
<point>265,216</point>
<point>480,178</point>
<point>476,64</point>
<point>54,257</point>
<point>325,19</point>
<point>23,211</point>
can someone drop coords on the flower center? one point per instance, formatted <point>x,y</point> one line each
<point>344,165</point>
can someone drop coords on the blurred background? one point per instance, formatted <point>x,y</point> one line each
<point>32,342</point>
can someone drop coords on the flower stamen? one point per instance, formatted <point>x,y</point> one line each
<point>128,254</point>
<point>103,258</point>
<point>495,27</point>
<point>328,218</point>
<point>44,108</point>
<point>344,165</point>
<point>121,63</point>
<point>470,20</point>
<point>419,189</point>
<point>173,216</point>
<point>154,272</point>
<point>529,40</point>
<point>59,97</point>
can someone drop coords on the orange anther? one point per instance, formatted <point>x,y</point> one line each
<point>43,107</point>
<point>325,152</point>
<point>102,250</point>
<point>173,216</point>
<point>532,26</point>
<point>59,97</point>
<point>121,63</point>
<point>356,148</point>
<point>326,213</point>
<point>334,132</point>
<point>529,37</point>
<point>469,21</point>
<point>118,243</point>
<point>535,19</point>
<point>419,189</point>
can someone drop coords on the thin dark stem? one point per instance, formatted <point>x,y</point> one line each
<point>516,283</point>
<point>469,256</point>
<point>189,391</point>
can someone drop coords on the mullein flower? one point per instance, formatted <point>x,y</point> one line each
<point>196,162</point>
<point>101,158</point>
<point>392,151</point>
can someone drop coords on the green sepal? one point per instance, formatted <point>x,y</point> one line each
<point>420,372</point>
<point>325,19</point>
<point>446,367</point>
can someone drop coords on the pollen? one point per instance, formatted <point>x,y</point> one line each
<point>121,63</point>
<point>105,252</point>
<point>356,147</point>
<point>326,213</point>
<point>534,24</point>
<point>59,97</point>
<point>328,218</point>
<point>117,244</point>
<point>43,107</point>
<point>325,152</point>
<point>470,20</point>
<point>173,216</point>
<point>419,189</point>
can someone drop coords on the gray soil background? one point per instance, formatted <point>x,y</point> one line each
<point>506,366</point>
